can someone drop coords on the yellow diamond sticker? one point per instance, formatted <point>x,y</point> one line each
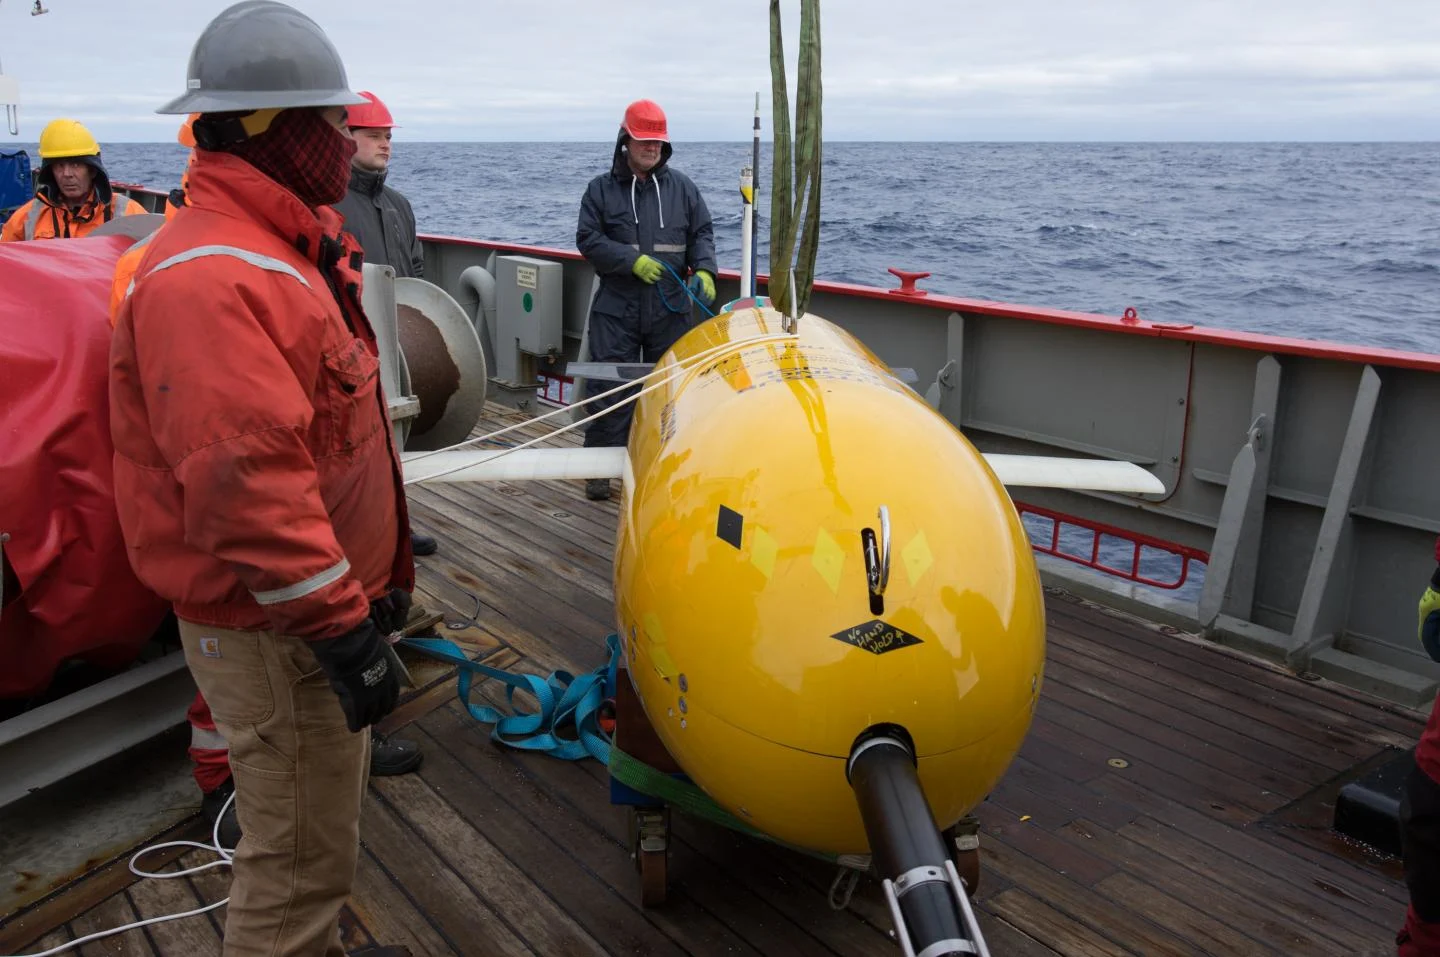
<point>828,559</point>
<point>763,549</point>
<point>917,557</point>
<point>664,665</point>
<point>652,628</point>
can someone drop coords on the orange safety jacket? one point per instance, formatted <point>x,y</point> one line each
<point>256,477</point>
<point>130,259</point>
<point>42,218</point>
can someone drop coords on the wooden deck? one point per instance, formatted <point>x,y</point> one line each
<point>1172,798</point>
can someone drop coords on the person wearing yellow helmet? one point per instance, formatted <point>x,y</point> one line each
<point>73,197</point>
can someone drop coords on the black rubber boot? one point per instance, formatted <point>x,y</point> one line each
<point>423,544</point>
<point>597,490</point>
<point>210,806</point>
<point>391,756</point>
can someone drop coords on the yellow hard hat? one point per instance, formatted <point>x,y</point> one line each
<point>65,138</point>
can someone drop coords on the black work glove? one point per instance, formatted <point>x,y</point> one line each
<point>358,666</point>
<point>392,611</point>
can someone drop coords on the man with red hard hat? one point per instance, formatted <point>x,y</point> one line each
<point>645,228</point>
<point>377,215</point>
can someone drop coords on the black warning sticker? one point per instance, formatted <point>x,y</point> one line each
<point>877,637</point>
<point>729,526</point>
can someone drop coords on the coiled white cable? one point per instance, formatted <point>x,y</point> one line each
<point>226,857</point>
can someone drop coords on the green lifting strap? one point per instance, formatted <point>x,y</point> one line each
<point>690,800</point>
<point>567,702</point>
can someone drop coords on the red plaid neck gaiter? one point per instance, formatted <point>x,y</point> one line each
<point>304,153</point>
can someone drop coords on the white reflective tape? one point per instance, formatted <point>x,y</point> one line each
<point>245,255</point>
<point>669,247</point>
<point>131,287</point>
<point>308,587</point>
<point>204,740</point>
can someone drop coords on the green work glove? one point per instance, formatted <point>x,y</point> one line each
<point>647,269</point>
<point>1430,621</point>
<point>702,284</point>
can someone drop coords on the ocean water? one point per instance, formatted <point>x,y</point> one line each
<point>1320,241</point>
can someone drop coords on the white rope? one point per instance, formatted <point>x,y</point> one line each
<point>670,373</point>
<point>227,855</point>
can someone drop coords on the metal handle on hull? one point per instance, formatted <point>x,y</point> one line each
<point>884,550</point>
<point>877,561</point>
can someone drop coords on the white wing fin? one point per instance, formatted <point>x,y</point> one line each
<point>517,466</point>
<point>543,464</point>
<point>1099,475</point>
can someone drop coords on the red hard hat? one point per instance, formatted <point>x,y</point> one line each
<point>370,115</point>
<point>644,120</point>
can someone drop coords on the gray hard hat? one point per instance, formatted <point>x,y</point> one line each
<point>258,55</point>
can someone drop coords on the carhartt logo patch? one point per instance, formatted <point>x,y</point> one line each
<point>210,647</point>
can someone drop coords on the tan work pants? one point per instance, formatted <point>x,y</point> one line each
<point>299,775</point>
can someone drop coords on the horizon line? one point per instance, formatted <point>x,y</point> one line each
<point>881,142</point>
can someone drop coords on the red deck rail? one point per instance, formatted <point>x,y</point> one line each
<point>1135,540</point>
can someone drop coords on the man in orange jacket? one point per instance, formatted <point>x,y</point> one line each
<point>130,259</point>
<point>1420,805</point>
<point>257,483</point>
<point>73,197</point>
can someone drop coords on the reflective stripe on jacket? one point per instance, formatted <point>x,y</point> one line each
<point>256,478</point>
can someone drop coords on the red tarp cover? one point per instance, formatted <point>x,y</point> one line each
<point>79,597</point>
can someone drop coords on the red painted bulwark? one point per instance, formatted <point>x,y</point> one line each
<point>1131,324</point>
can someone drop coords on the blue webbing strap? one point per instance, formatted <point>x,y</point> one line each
<point>564,701</point>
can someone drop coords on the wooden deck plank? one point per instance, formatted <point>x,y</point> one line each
<point>209,886</point>
<point>1222,722</point>
<point>107,915</point>
<point>503,884</point>
<point>558,821</point>
<point>539,536</point>
<point>534,508</point>
<point>521,559</point>
<point>1039,920</point>
<point>1122,927</point>
<point>454,908</point>
<point>57,937</point>
<point>1335,704</point>
<point>1369,886</point>
<point>189,935</point>
<point>1263,917</point>
<point>1178,917</point>
<point>391,916</point>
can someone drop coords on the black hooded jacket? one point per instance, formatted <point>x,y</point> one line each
<point>662,216</point>
<point>382,222</point>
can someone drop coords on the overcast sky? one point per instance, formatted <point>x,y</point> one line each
<point>892,69</point>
